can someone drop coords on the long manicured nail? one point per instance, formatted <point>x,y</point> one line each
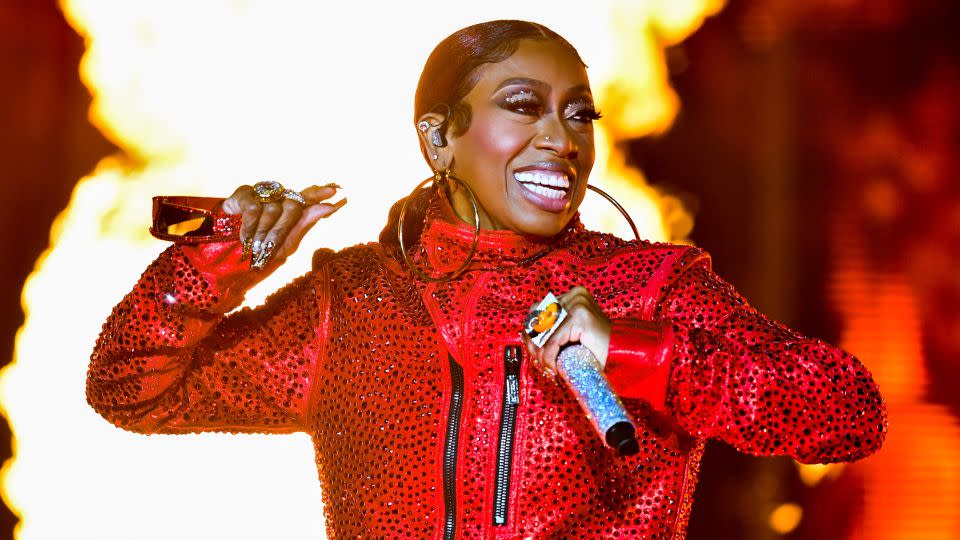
<point>333,185</point>
<point>259,261</point>
<point>246,250</point>
<point>337,205</point>
<point>255,246</point>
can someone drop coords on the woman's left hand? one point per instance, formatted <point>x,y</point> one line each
<point>585,323</point>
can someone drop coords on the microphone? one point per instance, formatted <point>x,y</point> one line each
<point>582,372</point>
<point>583,375</point>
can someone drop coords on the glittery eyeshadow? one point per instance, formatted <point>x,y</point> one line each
<point>521,96</point>
<point>581,104</point>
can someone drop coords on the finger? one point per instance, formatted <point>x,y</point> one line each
<point>577,295</point>
<point>575,301</point>
<point>581,310</point>
<point>326,208</point>
<point>588,301</point>
<point>552,347</point>
<point>537,364</point>
<point>316,194</point>
<point>263,255</point>
<point>311,215</point>
<point>269,215</point>
<point>251,210</point>
<point>234,204</point>
<point>528,343</point>
<point>292,211</point>
<point>573,291</point>
<point>244,202</point>
<point>532,349</point>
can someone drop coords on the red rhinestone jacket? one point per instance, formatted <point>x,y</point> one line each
<point>401,383</point>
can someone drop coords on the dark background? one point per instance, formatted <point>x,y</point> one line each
<point>765,149</point>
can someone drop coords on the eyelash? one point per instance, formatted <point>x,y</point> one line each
<point>590,114</point>
<point>521,104</point>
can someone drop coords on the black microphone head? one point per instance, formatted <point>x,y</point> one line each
<point>621,437</point>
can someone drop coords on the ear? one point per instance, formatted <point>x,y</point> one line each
<point>444,153</point>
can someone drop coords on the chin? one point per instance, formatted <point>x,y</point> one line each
<point>545,227</point>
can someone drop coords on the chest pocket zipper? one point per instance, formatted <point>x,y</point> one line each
<point>508,424</point>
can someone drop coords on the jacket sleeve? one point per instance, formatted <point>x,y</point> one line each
<point>169,359</point>
<point>724,370</point>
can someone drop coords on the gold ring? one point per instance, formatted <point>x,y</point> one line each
<point>269,191</point>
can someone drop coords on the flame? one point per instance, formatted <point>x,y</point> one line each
<point>912,485</point>
<point>201,97</point>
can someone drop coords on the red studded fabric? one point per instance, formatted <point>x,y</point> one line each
<point>365,358</point>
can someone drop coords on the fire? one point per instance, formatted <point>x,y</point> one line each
<point>912,486</point>
<point>200,98</point>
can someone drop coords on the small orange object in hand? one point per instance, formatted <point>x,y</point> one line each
<point>547,317</point>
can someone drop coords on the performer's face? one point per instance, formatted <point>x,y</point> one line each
<point>531,128</point>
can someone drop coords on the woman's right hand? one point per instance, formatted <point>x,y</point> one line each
<point>271,232</point>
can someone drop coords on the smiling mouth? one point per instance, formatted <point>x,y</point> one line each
<point>550,184</point>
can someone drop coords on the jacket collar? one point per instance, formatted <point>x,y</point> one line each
<point>447,239</point>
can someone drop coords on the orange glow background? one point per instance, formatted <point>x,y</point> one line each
<point>812,148</point>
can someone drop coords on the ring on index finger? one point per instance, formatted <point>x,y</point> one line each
<point>294,196</point>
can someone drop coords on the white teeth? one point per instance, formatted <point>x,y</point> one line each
<point>543,178</point>
<point>544,191</point>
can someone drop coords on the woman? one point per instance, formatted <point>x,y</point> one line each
<point>396,358</point>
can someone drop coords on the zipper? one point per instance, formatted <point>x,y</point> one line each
<point>450,449</point>
<point>508,422</point>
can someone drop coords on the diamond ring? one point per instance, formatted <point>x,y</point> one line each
<point>269,191</point>
<point>294,196</point>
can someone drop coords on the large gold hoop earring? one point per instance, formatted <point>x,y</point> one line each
<point>439,176</point>
<point>623,211</point>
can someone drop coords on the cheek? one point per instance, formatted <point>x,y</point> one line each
<point>493,142</point>
<point>587,153</point>
<point>586,145</point>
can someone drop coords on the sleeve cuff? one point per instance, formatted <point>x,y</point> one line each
<point>638,359</point>
<point>208,238</point>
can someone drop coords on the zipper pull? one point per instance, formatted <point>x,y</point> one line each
<point>511,359</point>
<point>511,368</point>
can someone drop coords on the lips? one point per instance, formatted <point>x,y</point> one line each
<point>545,185</point>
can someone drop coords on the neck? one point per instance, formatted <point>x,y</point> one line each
<point>464,210</point>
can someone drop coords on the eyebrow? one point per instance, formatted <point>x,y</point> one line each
<point>524,81</point>
<point>580,88</point>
